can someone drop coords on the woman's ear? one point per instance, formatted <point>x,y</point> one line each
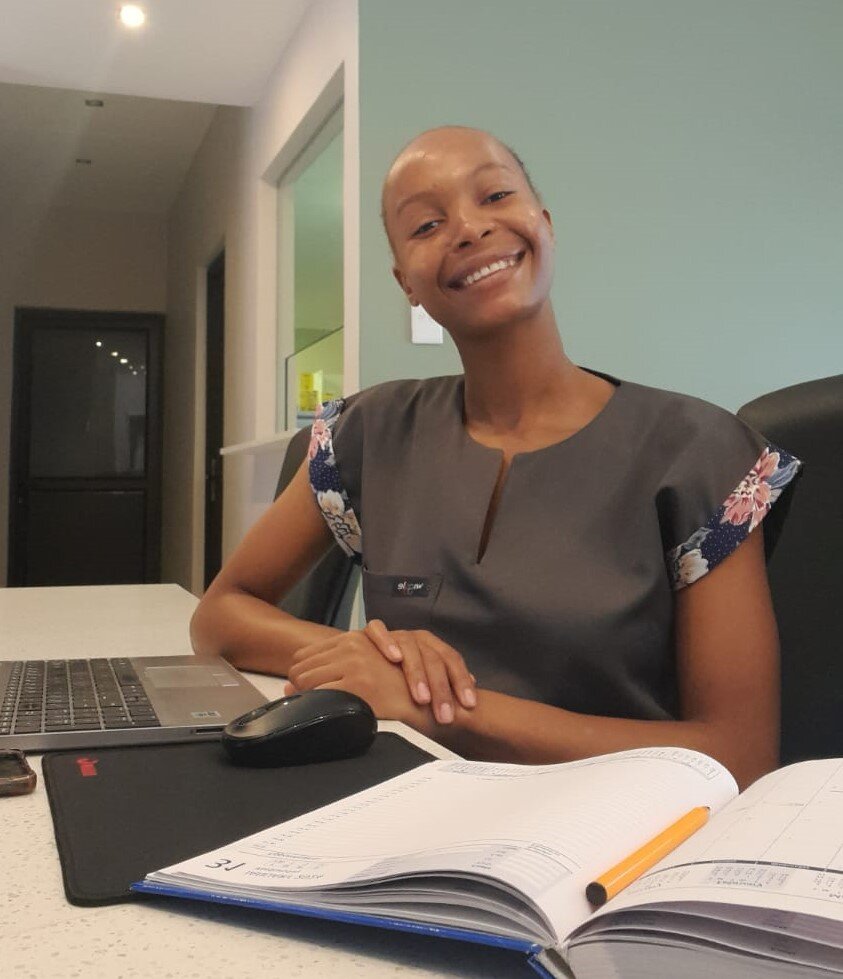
<point>408,292</point>
<point>548,218</point>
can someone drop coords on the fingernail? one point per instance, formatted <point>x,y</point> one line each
<point>469,697</point>
<point>473,678</point>
<point>423,693</point>
<point>394,653</point>
<point>446,714</point>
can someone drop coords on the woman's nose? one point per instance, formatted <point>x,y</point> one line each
<point>471,228</point>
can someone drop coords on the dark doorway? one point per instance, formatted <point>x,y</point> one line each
<point>214,386</point>
<point>85,505</point>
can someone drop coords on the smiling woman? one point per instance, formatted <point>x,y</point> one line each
<point>556,563</point>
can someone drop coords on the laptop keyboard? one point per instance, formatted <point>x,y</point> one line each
<point>74,695</point>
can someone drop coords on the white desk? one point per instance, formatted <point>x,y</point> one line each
<point>44,937</point>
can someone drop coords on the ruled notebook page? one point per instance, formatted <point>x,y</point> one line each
<point>542,830</point>
<point>778,846</point>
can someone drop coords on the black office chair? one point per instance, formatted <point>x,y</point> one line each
<point>806,571</point>
<point>326,594</point>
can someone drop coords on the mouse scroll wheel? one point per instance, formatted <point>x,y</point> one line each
<point>253,715</point>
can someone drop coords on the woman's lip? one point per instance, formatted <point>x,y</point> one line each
<point>458,283</point>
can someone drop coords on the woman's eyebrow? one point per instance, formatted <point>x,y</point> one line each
<point>411,198</point>
<point>419,195</point>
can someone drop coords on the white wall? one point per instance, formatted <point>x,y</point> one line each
<point>228,199</point>
<point>68,259</point>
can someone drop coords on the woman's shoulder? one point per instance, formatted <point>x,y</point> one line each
<point>674,407</point>
<point>396,401</point>
<point>665,423</point>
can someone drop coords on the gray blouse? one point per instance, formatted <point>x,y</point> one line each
<point>571,602</point>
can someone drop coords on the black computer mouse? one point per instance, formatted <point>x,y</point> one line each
<point>318,725</point>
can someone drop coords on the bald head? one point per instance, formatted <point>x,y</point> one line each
<point>438,142</point>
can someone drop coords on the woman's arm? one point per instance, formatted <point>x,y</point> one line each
<point>728,673</point>
<point>237,617</point>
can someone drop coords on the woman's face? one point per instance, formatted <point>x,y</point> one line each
<point>472,243</point>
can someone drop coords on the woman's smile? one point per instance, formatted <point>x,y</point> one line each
<point>483,270</point>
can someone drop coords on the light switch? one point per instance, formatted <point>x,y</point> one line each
<point>423,327</point>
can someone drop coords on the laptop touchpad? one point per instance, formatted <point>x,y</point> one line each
<point>166,677</point>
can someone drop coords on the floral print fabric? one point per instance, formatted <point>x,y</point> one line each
<point>325,481</point>
<point>736,518</point>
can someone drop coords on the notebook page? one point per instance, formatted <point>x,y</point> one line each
<point>543,830</point>
<point>777,846</point>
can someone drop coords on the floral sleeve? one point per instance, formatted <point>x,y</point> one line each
<point>331,497</point>
<point>735,519</point>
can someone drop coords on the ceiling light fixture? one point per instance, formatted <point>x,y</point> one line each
<point>83,161</point>
<point>131,15</point>
<point>94,103</point>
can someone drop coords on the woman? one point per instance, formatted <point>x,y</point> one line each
<point>581,546</point>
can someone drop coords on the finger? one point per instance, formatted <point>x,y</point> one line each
<point>310,679</point>
<point>289,689</point>
<point>377,631</point>
<point>413,667</point>
<point>441,694</point>
<point>461,681</point>
<point>323,662</point>
<point>315,648</point>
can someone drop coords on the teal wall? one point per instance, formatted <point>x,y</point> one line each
<point>690,153</point>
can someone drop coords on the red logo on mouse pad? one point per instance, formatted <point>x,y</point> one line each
<point>87,766</point>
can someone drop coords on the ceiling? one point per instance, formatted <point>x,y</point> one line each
<point>140,150</point>
<point>216,51</point>
<point>160,87</point>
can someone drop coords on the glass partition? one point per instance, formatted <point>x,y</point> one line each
<point>314,375</point>
<point>310,300</point>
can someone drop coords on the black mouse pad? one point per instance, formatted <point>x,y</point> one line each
<point>120,813</point>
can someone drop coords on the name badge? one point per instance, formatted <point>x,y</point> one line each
<point>411,587</point>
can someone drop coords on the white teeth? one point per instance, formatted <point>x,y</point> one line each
<point>499,266</point>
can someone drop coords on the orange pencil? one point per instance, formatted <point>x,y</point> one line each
<point>623,874</point>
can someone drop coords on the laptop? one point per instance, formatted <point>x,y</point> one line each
<point>93,703</point>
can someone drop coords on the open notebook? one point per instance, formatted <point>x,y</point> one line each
<point>502,854</point>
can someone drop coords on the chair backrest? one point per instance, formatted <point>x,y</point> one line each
<point>326,594</point>
<point>806,571</point>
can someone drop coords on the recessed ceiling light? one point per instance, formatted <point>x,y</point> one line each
<point>83,161</point>
<point>132,15</point>
<point>94,103</point>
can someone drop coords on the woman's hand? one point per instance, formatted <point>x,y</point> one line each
<point>352,662</point>
<point>433,670</point>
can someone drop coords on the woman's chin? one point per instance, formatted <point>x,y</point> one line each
<point>490,319</point>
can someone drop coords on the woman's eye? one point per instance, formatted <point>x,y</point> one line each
<point>498,195</point>
<point>424,228</point>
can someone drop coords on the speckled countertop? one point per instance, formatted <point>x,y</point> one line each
<point>44,937</point>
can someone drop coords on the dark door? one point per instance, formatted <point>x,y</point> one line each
<point>86,448</point>
<point>214,385</point>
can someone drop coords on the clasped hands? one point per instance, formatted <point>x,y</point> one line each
<point>404,675</point>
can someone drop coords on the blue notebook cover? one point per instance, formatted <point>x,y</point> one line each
<point>530,949</point>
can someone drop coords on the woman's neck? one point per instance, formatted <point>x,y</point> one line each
<point>513,378</point>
